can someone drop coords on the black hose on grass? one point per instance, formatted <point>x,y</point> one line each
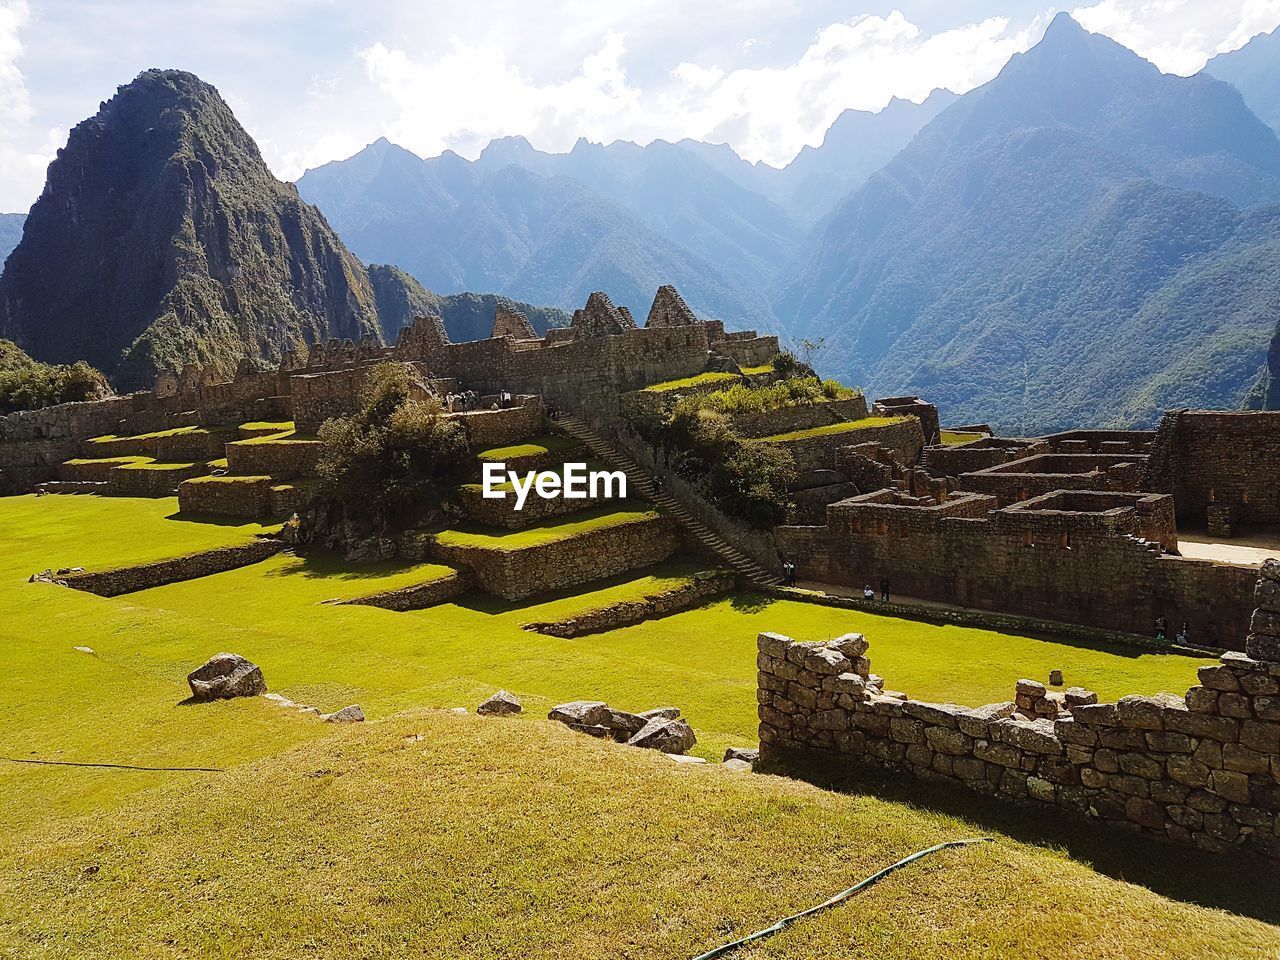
<point>115,766</point>
<point>838,898</point>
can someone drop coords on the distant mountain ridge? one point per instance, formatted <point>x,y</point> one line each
<point>1058,246</point>
<point>1254,70</point>
<point>456,225</point>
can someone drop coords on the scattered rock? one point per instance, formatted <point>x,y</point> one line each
<point>625,725</point>
<point>224,676</point>
<point>668,736</point>
<point>351,714</point>
<point>666,713</point>
<point>587,713</point>
<point>83,649</point>
<point>457,710</point>
<point>1055,678</point>
<point>745,754</point>
<point>739,766</point>
<point>681,758</point>
<point>500,704</point>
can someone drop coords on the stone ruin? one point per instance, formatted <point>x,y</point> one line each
<point>669,310</point>
<point>1201,769</point>
<point>513,324</point>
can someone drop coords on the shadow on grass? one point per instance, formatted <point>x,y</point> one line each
<point>215,520</point>
<point>750,602</point>
<point>1239,882</point>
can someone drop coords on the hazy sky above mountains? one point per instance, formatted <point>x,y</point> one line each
<point>316,80</point>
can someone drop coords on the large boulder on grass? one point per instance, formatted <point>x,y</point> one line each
<point>667,736</point>
<point>224,676</point>
<point>500,704</point>
<point>584,713</point>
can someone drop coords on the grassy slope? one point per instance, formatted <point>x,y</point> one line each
<point>618,514</point>
<point>121,704</point>
<point>508,838</point>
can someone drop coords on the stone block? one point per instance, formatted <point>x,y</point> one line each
<point>1145,812</point>
<point>827,661</point>
<point>1244,760</point>
<point>1265,622</point>
<point>934,714</point>
<point>1071,732</point>
<point>852,645</point>
<point>1033,736</point>
<point>1078,697</point>
<point>1234,705</point>
<point>949,741</point>
<point>1001,754</point>
<point>1106,760</point>
<point>977,722</point>
<point>1187,771</point>
<point>1261,736</point>
<point>1097,714</point>
<point>1202,700</point>
<point>1141,765</point>
<point>906,730</point>
<point>1259,685</point>
<point>1263,647</point>
<point>1168,741</point>
<point>1147,713</point>
<point>1218,678</point>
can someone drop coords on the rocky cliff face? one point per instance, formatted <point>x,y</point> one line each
<point>162,238</point>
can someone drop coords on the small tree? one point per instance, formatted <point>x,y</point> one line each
<point>395,460</point>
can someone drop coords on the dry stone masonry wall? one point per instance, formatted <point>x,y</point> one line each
<point>1202,769</point>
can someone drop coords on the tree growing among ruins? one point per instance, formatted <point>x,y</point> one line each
<point>395,460</point>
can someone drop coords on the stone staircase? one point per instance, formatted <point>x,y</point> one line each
<point>641,481</point>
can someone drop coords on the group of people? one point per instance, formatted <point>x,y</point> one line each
<point>458,402</point>
<point>470,400</point>
<point>1162,632</point>
<point>789,577</point>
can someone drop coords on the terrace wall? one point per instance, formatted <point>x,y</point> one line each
<point>1203,769</point>
<point>228,496</point>
<point>766,423</point>
<point>592,555</point>
<point>281,459</point>
<point>1024,479</point>
<point>113,583</point>
<point>819,452</point>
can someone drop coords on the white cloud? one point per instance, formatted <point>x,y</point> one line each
<point>23,167</point>
<point>1179,36</point>
<point>471,93</point>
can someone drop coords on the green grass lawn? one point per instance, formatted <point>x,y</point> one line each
<point>537,447</point>
<point>618,514</point>
<point>173,432</point>
<point>830,428</point>
<point>958,438</point>
<point>546,844</point>
<point>701,380</point>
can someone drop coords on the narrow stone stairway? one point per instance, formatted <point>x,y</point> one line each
<point>639,479</point>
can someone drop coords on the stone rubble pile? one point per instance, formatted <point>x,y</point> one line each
<point>501,703</point>
<point>661,729</point>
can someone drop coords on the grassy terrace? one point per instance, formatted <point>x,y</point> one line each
<point>175,431</point>
<point>701,380</point>
<point>553,531</point>
<point>229,481</point>
<point>111,461</point>
<point>958,438</point>
<point>268,426</point>
<point>160,465</point>
<point>285,436</point>
<point>437,835</point>
<point>831,428</point>
<point>540,446</point>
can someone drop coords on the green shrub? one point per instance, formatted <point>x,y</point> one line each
<point>743,398</point>
<point>748,481</point>
<point>396,459</point>
<point>27,384</point>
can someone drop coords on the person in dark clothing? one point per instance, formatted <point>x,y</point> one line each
<point>789,570</point>
<point>1162,629</point>
<point>884,589</point>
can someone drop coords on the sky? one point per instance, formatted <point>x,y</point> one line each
<point>316,80</point>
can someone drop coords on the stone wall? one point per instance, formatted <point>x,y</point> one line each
<point>152,480</point>
<point>1093,558</point>
<point>1201,769</point>
<point>494,512</point>
<point>767,423</point>
<point>627,612</point>
<point>1023,479</point>
<point>1229,459</point>
<point>227,496</point>
<point>113,583</point>
<point>926,413</point>
<point>819,452</point>
<point>952,460</point>
<point>279,458</point>
<point>592,555</point>
<point>417,597</point>
<point>487,429</point>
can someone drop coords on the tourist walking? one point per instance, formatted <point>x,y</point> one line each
<point>884,589</point>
